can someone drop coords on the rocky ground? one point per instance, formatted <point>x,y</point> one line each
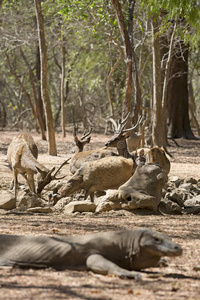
<point>180,279</point>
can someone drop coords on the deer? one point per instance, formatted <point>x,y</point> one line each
<point>152,155</point>
<point>98,175</point>
<point>81,156</point>
<point>22,156</point>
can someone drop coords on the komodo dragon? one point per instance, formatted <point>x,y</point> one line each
<point>106,253</point>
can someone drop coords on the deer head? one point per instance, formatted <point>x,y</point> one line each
<point>43,178</point>
<point>121,134</point>
<point>81,143</point>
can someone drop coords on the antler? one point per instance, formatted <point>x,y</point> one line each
<point>64,163</point>
<point>122,124</point>
<point>86,134</point>
<point>139,121</point>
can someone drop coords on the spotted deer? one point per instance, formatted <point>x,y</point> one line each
<point>154,154</point>
<point>118,140</point>
<point>81,156</point>
<point>98,175</point>
<point>22,156</point>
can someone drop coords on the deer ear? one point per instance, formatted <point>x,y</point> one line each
<point>39,170</point>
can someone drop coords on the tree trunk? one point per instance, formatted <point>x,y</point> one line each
<point>37,108</point>
<point>63,93</point>
<point>158,113</point>
<point>126,107</point>
<point>178,103</point>
<point>39,96</point>
<point>44,89</point>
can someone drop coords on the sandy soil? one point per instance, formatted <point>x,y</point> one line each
<point>179,280</point>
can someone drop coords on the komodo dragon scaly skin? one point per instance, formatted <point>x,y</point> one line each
<point>116,253</point>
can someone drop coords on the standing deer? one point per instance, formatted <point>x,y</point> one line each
<point>22,156</point>
<point>82,156</point>
<point>154,154</point>
<point>98,175</point>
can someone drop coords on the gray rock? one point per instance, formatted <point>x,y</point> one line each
<point>7,200</point>
<point>31,200</point>
<point>176,180</point>
<point>192,210</point>
<point>176,197</point>
<point>44,210</point>
<point>144,188</point>
<point>79,206</point>
<point>191,180</point>
<point>168,207</point>
<point>193,202</point>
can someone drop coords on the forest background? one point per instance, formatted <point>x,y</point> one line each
<point>67,62</point>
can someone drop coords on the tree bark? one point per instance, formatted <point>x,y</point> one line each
<point>178,97</point>
<point>44,84</point>
<point>38,77</point>
<point>63,93</point>
<point>158,112</point>
<point>126,107</point>
<point>37,108</point>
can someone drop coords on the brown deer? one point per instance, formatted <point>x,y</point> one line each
<point>154,154</point>
<point>22,156</point>
<point>118,140</point>
<point>106,173</point>
<point>82,156</point>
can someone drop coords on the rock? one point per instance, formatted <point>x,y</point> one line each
<point>60,205</point>
<point>176,180</point>
<point>176,197</point>
<point>191,180</point>
<point>193,201</point>
<point>44,210</point>
<point>144,188</point>
<point>7,200</point>
<point>79,206</point>
<point>168,207</point>
<point>185,186</point>
<point>31,200</point>
<point>192,210</point>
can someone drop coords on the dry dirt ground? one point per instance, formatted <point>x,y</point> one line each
<point>179,280</point>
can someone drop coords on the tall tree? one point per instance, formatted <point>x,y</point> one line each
<point>44,86</point>
<point>128,57</point>
<point>178,96</point>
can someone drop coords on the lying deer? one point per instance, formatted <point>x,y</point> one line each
<point>106,173</point>
<point>82,156</point>
<point>118,140</point>
<point>151,155</point>
<point>22,156</point>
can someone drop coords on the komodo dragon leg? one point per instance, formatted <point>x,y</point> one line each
<point>99,264</point>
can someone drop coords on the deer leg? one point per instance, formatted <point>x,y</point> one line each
<point>89,193</point>
<point>30,181</point>
<point>15,181</point>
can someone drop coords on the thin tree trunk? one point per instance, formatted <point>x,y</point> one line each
<point>158,114</point>
<point>126,107</point>
<point>37,108</point>
<point>63,93</point>
<point>39,96</point>
<point>21,85</point>
<point>44,84</point>
<point>111,72</point>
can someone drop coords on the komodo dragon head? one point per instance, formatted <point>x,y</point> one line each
<point>158,244</point>
<point>152,246</point>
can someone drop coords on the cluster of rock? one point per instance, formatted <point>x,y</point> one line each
<point>148,188</point>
